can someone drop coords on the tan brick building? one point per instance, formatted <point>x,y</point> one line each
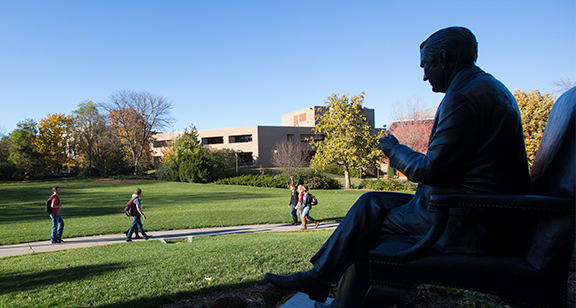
<point>254,144</point>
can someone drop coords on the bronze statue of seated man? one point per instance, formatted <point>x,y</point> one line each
<point>476,146</point>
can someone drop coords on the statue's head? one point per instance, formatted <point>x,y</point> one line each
<point>446,52</point>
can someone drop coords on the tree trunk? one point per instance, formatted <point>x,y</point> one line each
<point>346,178</point>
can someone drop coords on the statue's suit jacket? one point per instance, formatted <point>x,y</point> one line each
<point>476,146</point>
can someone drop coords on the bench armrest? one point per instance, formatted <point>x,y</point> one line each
<point>506,202</point>
<point>434,234</point>
<point>443,203</point>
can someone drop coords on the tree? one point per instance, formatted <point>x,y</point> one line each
<point>534,110</point>
<point>91,135</point>
<point>290,156</point>
<point>226,157</point>
<point>52,140</point>
<point>134,117</point>
<point>23,151</point>
<point>190,162</point>
<point>348,141</point>
<point>412,124</point>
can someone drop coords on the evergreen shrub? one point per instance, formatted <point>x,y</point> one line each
<point>256,180</point>
<point>388,185</point>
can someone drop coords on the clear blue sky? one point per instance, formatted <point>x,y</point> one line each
<point>243,63</point>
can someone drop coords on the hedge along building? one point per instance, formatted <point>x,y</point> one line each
<point>254,145</point>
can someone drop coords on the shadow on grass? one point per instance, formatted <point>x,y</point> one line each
<point>18,282</point>
<point>164,299</point>
<point>336,219</point>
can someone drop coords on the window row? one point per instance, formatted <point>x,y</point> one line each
<point>231,139</point>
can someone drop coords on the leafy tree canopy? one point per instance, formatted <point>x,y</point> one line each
<point>53,139</point>
<point>347,136</point>
<point>534,109</point>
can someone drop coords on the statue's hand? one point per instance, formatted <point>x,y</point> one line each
<point>387,143</point>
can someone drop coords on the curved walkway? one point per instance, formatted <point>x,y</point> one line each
<point>95,240</point>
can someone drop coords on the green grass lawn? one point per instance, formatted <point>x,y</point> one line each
<point>149,273</point>
<point>92,207</point>
<point>146,274</point>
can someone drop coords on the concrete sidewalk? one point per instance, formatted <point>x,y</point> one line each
<point>88,241</point>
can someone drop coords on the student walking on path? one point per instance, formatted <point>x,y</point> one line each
<point>304,206</point>
<point>293,204</point>
<point>57,221</point>
<point>136,216</point>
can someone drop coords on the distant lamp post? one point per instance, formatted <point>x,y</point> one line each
<point>236,154</point>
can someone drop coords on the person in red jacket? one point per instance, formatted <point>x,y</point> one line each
<point>57,221</point>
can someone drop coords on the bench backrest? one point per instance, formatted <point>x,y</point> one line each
<point>545,239</point>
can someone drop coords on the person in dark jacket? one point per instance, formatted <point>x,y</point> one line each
<point>476,146</point>
<point>293,203</point>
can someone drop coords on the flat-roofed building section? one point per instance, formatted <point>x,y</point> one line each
<point>254,144</point>
<point>307,117</point>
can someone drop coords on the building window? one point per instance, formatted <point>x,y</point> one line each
<point>243,138</point>
<point>245,159</point>
<point>213,140</point>
<point>302,117</point>
<point>161,144</point>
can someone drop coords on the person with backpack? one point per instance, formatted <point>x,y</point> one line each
<point>57,221</point>
<point>304,206</point>
<point>136,216</point>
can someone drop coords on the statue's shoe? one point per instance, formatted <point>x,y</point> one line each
<point>305,282</point>
<point>332,304</point>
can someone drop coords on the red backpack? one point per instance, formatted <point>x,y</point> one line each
<point>129,208</point>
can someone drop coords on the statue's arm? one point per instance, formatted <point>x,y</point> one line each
<point>453,142</point>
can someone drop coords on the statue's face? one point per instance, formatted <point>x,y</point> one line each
<point>433,73</point>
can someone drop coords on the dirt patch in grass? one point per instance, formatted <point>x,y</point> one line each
<point>425,296</point>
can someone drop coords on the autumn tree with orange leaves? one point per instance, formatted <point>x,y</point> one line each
<point>53,140</point>
<point>135,117</point>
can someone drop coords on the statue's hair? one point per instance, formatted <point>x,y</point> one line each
<point>458,42</point>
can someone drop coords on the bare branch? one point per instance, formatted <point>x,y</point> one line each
<point>412,124</point>
<point>563,84</point>
<point>135,117</point>
<point>290,156</point>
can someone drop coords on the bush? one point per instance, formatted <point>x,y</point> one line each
<point>7,170</point>
<point>320,181</point>
<point>388,185</point>
<point>278,181</point>
<point>337,170</point>
<point>313,180</point>
<point>84,172</point>
<point>116,169</point>
<point>163,171</point>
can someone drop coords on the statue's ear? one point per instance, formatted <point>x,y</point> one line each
<point>442,58</point>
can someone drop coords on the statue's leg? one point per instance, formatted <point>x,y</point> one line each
<point>353,285</point>
<point>357,233</point>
